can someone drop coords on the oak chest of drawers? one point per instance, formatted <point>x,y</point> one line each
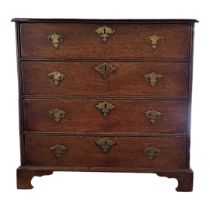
<point>105,95</point>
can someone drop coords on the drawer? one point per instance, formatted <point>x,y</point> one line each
<point>99,151</point>
<point>95,115</point>
<point>105,78</point>
<point>73,40</point>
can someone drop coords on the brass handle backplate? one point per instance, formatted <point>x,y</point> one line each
<point>105,69</point>
<point>57,77</point>
<point>104,32</point>
<point>105,144</point>
<point>152,78</point>
<point>153,115</point>
<point>55,39</point>
<point>57,114</point>
<point>152,152</point>
<point>105,107</point>
<point>58,150</point>
<point>154,41</point>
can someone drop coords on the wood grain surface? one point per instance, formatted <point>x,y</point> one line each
<point>83,88</point>
<point>128,152</point>
<point>81,41</point>
<point>81,79</point>
<point>128,115</point>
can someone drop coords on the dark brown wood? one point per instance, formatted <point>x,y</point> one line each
<point>128,115</point>
<point>131,21</point>
<point>127,80</point>
<point>185,179</point>
<point>125,88</point>
<point>24,177</point>
<point>128,152</point>
<point>127,41</point>
<point>20,101</point>
<point>113,134</point>
<point>183,176</point>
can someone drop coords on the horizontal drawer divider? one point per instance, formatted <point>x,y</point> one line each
<point>108,97</point>
<point>158,60</point>
<point>106,133</point>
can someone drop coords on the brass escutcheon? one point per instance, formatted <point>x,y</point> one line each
<point>104,32</point>
<point>58,150</point>
<point>105,69</point>
<point>152,152</point>
<point>154,41</point>
<point>153,115</point>
<point>55,39</point>
<point>57,114</point>
<point>105,144</point>
<point>57,77</point>
<point>105,107</point>
<point>153,78</point>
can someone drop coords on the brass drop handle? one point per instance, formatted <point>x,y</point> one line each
<point>152,78</point>
<point>105,144</point>
<point>57,77</point>
<point>59,150</point>
<point>152,152</point>
<point>57,114</point>
<point>153,115</point>
<point>105,107</point>
<point>55,39</point>
<point>104,32</point>
<point>105,69</point>
<point>154,41</point>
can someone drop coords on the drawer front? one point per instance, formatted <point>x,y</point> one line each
<point>105,115</point>
<point>66,40</point>
<point>80,151</point>
<point>105,78</point>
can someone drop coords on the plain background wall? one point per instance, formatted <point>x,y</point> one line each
<point>79,191</point>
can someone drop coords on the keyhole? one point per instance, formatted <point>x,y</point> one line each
<point>104,31</point>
